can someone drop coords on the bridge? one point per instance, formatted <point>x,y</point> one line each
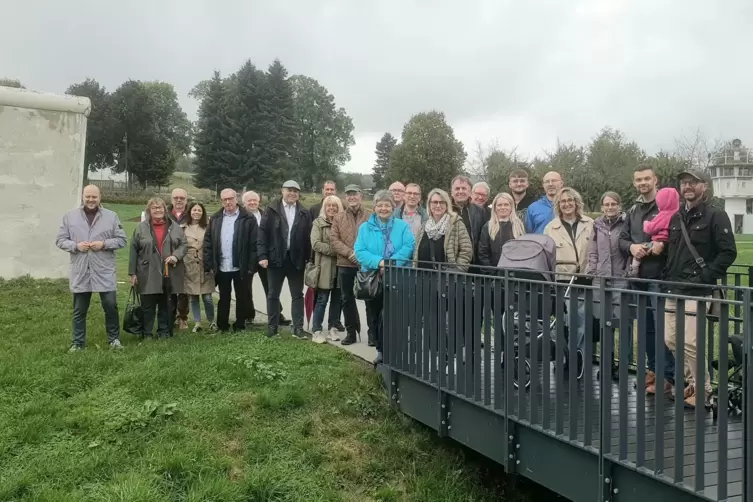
<point>448,364</point>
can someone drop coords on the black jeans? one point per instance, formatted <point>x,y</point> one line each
<point>295,282</point>
<point>81,303</point>
<point>156,306</point>
<point>374,310</point>
<point>264,284</point>
<point>227,282</point>
<point>346,277</point>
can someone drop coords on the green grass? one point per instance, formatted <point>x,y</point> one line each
<point>204,418</point>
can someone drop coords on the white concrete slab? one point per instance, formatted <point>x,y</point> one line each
<point>360,349</point>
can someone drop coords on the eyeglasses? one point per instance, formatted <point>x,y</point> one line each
<point>689,183</point>
<point>228,199</point>
<point>438,203</point>
<point>567,201</point>
<point>417,194</point>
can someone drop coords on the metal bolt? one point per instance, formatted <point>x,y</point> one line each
<point>449,427</point>
<point>443,422</point>
<point>442,406</point>
<point>511,438</point>
<point>449,413</point>
<point>616,491</point>
<point>398,401</point>
<point>517,462</point>
<point>398,389</point>
<point>393,383</point>
<point>517,446</point>
<point>607,480</point>
<point>394,396</point>
<point>609,323</point>
<point>511,456</point>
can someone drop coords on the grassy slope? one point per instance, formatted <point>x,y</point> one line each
<point>200,418</point>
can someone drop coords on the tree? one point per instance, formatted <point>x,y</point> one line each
<point>345,179</point>
<point>667,166</point>
<point>278,125</point>
<point>428,154</point>
<point>11,82</point>
<point>384,148</point>
<point>324,133</point>
<point>695,149</point>
<point>151,129</point>
<point>211,144</point>
<point>186,164</point>
<point>101,144</point>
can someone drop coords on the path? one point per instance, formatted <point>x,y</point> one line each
<point>360,349</point>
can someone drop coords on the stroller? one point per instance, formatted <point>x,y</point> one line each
<point>531,257</point>
<point>735,380</point>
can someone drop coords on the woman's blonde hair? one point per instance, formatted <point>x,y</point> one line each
<point>445,197</point>
<point>154,201</point>
<point>518,228</point>
<point>328,200</point>
<point>576,197</point>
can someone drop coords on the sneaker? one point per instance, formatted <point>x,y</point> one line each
<point>115,344</point>
<point>318,337</point>
<point>334,334</point>
<point>196,328</point>
<point>182,324</point>
<point>213,327</point>
<point>75,348</point>
<point>299,334</point>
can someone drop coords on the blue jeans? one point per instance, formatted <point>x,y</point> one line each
<point>208,307</point>
<point>650,334</point>
<point>322,296</point>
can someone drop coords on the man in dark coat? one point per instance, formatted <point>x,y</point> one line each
<point>230,253</point>
<point>284,248</point>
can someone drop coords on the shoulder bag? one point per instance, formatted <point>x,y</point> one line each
<point>312,271</point>
<point>715,307</point>
<point>133,320</point>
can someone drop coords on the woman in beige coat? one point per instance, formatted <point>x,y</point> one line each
<point>198,284</point>
<point>326,258</point>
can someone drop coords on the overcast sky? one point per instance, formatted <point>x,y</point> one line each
<point>523,72</point>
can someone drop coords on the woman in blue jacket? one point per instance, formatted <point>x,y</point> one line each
<point>382,237</point>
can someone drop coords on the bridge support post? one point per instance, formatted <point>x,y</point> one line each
<point>444,426</point>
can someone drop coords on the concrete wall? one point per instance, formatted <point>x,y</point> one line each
<point>42,141</point>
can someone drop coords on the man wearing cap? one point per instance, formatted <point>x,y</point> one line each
<point>700,249</point>
<point>284,248</point>
<point>342,237</point>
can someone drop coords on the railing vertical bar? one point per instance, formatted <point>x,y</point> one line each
<point>722,400</point>
<point>407,306</point>
<point>659,320</point>
<point>498,341</point>
<point>534,345</point>
<point>449,357</point>
<point>736,311</point>
<point>507,358</point>
<point>429,312</point>
<point>588,384</point>
<point>547,294</point>
<point>748,392</point>
<point>388,316</point>
<point>623,368</point>
<point>438,360</point>
<point>640,394</point>
<point>679,392</point>
<point>605,372</point>
<point>469,335</point>
<point>572,353</point>
<point>488,342</point>
<point>520,350</point>
<point>478,320</point>
<point>559,363</point>
<point>416,333</point>
<point>700,384</point>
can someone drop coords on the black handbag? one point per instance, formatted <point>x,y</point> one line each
<point>133,320</point>
<point>368,285</point>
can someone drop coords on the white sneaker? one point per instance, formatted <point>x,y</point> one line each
<point>116,345</point>
<point>333,335</point>
<point>318,337</point>
<point>197,328</point>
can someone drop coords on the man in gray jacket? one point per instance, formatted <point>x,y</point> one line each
<point>91,234</point>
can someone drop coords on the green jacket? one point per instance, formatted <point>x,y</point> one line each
<point>324,255</point>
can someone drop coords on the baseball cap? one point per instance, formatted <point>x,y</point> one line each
<point>352,188</point>
<point>696,174</point>
<point>291,184</point>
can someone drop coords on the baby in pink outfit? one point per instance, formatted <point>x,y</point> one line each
<point>668,202</point>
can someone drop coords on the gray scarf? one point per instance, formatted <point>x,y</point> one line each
<point>436,229</point>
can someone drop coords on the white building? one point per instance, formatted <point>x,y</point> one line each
<point>731,174</point>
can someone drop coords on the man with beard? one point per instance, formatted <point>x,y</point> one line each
<point>541,212</point>
<point>633,242</point>
<point>700,249</point>
<point>518,183</point>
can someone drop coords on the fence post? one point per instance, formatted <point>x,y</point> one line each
<point>748,395</point>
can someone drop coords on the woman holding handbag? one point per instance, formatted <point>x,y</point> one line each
<point>321,272</point>
<point>382,237</point>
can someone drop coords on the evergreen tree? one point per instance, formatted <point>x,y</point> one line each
<point>383,152</point>
<point>278,115</point>
<point>210,143</point>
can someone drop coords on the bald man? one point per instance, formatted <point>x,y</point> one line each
<point>91,234</point>
<point>398,193</point>
<point>541,212</point>
<point>177,212</point>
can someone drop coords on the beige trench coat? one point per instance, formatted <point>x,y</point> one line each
<point>571,258</point>
<point>196,282</point>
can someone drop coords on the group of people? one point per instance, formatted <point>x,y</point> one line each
<point>178,253</point>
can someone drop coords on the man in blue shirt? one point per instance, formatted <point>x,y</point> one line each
<point>541,212</point>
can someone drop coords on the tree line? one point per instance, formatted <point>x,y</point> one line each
<point>429,154</point>
<point>255,129</point>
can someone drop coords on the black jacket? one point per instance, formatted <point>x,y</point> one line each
<point>711,234</point>
<point>315,210</point>
<point>473,217</point>
<point>652,266</point>
<point>490,250</point>
<point>244,242</point>
<point>273,236</point>
<point>183,217</point>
